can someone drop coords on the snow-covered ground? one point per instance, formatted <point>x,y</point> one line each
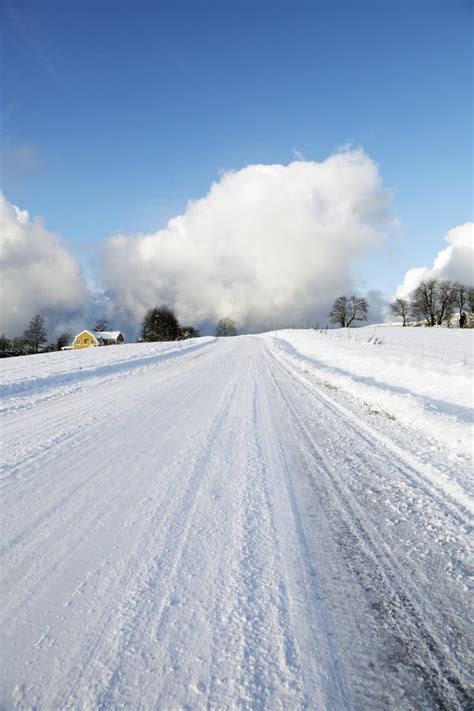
<point>276,521</point>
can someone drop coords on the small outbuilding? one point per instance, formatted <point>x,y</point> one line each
<point>93,339</point>
<point>109,338</point>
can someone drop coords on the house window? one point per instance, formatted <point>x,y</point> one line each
<point>86,340</point>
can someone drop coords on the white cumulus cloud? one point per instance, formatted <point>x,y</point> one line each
<point>454,262</point>
<point>37,274</point>
<point>268,244</point>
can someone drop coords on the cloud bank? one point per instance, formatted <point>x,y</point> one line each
<point>268,245</point>
<point>455,262</point>
<point>37,274</point>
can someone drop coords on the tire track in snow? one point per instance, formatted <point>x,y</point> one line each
<point>421,481</point>
<point>31,393</point>
<point>247,664</point>
<point>450,495</point>
<point>117,488</point>
<point>150,608</point>
<point>443,682</point>
<point>208,577</point>
<point>93,511</point>
<point>71,404</point>
<point>253,659</point>
<point>48,446</point>
<point>258,618</point>
<point>330,690</point>
<point>78,489</point>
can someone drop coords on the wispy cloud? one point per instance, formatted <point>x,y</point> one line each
<point>298,154</point>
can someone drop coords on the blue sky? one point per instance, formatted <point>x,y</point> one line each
<point>114,114</point>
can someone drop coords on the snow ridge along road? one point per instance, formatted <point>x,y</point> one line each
<point>225,529</point>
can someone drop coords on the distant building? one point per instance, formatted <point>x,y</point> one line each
<point>109,338</point>
<point>93,339</point>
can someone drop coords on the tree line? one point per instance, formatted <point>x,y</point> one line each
<point>433,303</point>
<point>159,324</point>
<point>35,339</point>
<point>32,340</point>
<point>437,303</point>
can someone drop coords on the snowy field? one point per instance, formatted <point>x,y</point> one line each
<point>262,522</point>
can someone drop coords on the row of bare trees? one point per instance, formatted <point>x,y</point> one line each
<point>437,303</point>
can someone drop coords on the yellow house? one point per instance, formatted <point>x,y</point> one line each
<point>85,339</point>
<point>91,339</point>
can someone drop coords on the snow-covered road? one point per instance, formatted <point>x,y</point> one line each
<point>216,527</point>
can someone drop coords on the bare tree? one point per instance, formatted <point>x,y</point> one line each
<point>461,300</point>
<point>435,301</point>
<point>401,307</point>
<point>226,327</point>
<point>445,302</point>
<point>424,302</point>
<point>347,309</point>
<point>101,325</point>
<point>35,334</point>
<point>339,311</point>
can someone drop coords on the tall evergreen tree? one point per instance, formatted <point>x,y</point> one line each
<point>35,334</point>
<point>159,324</point>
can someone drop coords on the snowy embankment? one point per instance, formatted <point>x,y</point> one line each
<point>422,377</point>
<point>256,522</point>
<point>41,375</point>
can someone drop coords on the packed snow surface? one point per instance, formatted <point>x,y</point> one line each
<point>260,522</point>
